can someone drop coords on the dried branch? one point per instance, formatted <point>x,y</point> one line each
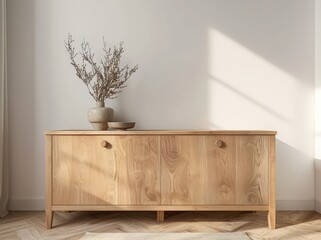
<point>105,80</point>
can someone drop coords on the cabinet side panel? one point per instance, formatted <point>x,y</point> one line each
<point>272,183</point>
<point>252,164</point>
<point>48,159</point>
<point>272,177</point>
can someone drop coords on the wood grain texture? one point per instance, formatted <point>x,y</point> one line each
<point>161,208</point>
<point>182,170</point>
<point>221,169</point>
<point>272,183</point>
<point>161,132</point>
<point>252,175</point>
<point>48,159</point>
<point>195,171</point>
<point>160,216</point>
<point>160,171</point>
<point>77,171</point>
<point>137,169</point>
<point>85,173</point>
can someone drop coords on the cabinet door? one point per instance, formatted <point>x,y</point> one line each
<point>137,168</point>
<point>195,171</point>
<point>125,172</point>
<point>252,164</point>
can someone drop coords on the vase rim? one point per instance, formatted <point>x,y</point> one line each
<point>100,104</point>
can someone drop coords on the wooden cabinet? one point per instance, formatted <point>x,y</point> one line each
<point>160,171</point>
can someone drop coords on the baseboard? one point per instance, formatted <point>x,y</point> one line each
<point>26,204</point>
<point>295,205</point>
<point>39,205</point>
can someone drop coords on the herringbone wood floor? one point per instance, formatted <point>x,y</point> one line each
<point>30,225</point>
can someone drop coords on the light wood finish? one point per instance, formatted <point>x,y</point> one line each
<point>104,143</point>
<point>86,173</point>
<point>49,212</point>
<point>161,132</point>
<point>198,171</point>
<point>219,143</point>
<point>74,225</point>
<point>160,171</point>
<point>160,216</point>
<point>272,183</point>
<point>161,208</point>
<point>195,171</point>
<point>252,170</point>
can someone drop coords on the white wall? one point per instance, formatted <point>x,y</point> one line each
<point>203,65</point>
<point>318,105</point>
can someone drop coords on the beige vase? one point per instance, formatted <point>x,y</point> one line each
<point>100,115</point>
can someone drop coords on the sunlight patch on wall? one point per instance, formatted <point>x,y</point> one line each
<point>248,92</point>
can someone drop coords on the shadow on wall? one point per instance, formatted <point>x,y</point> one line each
<point>317,168</point>
<point>294,171</point>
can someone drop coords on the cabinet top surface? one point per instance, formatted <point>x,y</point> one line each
<point>161,132</point>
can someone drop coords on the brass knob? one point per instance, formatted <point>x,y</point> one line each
<point>104,143</point>
<point>219,143</point>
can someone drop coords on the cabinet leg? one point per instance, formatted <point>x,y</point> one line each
<point>272,218</point>
<point>49,218</point>
<point>160,216</point>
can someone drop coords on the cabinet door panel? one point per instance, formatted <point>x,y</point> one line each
<point>79,170</point>
<point>137,169</point>
<point>125,172</point>
<point>222,163</point>
<point>197,172</point>
<point>252,161</point>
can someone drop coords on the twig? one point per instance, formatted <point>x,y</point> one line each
<point>105,80</point>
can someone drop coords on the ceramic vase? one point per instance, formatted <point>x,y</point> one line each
<point>100,115</point>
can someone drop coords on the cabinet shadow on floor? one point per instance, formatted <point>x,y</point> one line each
<point>229,220</point>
